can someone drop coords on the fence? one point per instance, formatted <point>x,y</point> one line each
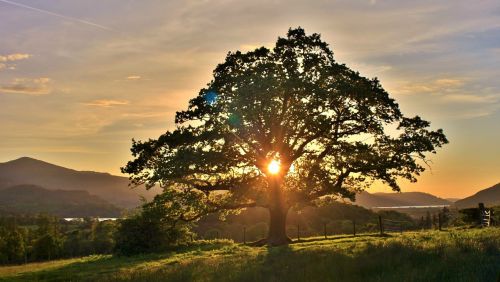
<point>387,225</point>
<point>381,225</point>
<point>299,232</point>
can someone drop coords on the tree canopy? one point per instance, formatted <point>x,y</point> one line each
<point>328,130</point>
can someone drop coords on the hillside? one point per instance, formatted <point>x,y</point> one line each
<point>31,199</point>
<point>113,189</point>
<point>489,196</point>
<point>368,200</point>
<point>454,255</point>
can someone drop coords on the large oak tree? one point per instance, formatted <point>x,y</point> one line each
<point>280,128</point>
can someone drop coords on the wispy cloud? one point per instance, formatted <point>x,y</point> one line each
<point>57,15</point>
<point>14,57</point>
<point>36,86</point>
<point>106,103</point>
<point>438,58</point>
<point>133,77</point>
<point>449,82</point>
<point>6,61</point>
<point>468,98</point>
<point>432,86</point>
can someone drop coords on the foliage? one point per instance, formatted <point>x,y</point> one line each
<point>335,216</point>
<point>12,245</point>
<point>103,239</point>
<point>151,230</point>
<point>454,255</point>
<point>43,237</point>
<point>472,215</point>
<point>325,124</point>
<point>47,247</point>
<point>48,243</point>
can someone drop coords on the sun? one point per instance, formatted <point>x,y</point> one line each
<point>274,167</point>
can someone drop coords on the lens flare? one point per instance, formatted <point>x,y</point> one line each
<point>273,167</point>
<point>211,97</point>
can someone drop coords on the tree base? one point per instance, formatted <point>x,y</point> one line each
<point>271,243</point>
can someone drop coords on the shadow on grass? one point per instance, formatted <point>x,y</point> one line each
<point>440,258</point>
<point>338,237</point>
<point>93,268</point>
<point>381,261</point>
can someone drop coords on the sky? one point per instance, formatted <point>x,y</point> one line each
<point>79,79</point>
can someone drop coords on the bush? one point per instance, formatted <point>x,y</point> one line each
<point>47,247</point>
<point>140,234</point>
<point>151,230</point>
<point>12,245</point>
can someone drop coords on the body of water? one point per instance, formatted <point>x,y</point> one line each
<point>81,218</point>
<point>412,207</point>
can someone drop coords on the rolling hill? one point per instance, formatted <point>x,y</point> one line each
<point>489,196</point>
<point>369,200</point>
<point>31,199</point>
<point>111,188</point>
<point>454,255</point>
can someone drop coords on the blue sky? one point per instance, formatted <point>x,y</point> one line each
<point>79,79</point>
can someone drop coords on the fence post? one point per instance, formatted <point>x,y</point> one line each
<point>324,229</point>
<point>354,227</point>
<point>244,235</point>
<point>440,222</point>
<point>481,214</point>
<point>487,217</point>
<point>380,225</point>
<point>401,227</point>
<point>298,232</point>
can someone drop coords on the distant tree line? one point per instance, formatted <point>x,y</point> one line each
<point>25,238</point>
<point>45,237</point>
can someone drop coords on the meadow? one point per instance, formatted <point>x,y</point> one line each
<point>452,255</point>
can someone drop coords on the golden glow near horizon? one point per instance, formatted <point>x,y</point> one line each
<point>76,102</point>
<point>274,167</point>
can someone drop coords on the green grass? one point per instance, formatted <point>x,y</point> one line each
<point>455,255</point>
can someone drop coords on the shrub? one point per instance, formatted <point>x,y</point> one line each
<point>151,230</point>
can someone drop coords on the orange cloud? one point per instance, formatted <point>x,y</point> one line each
<point>437,85</point>
<point>36,86</point>
<point>467,98</point>
<point>14,57</point>
<point>133,77</point>
<point>106,103</point>
<point>6,61</point>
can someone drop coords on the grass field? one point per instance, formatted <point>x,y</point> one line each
<point>454,255</point>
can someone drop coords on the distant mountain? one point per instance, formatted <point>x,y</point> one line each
<point>452,199</point>
<point>113,189</point>
<point>369,200</point>
<point>489,196</point>
<point>31,199</point>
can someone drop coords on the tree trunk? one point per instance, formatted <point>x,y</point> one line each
<point>278,211</point>
<point>277,227</point>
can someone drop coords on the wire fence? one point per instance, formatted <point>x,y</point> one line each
<point>388,225</point>
<point>381,224</point>
<point>300,231</point>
